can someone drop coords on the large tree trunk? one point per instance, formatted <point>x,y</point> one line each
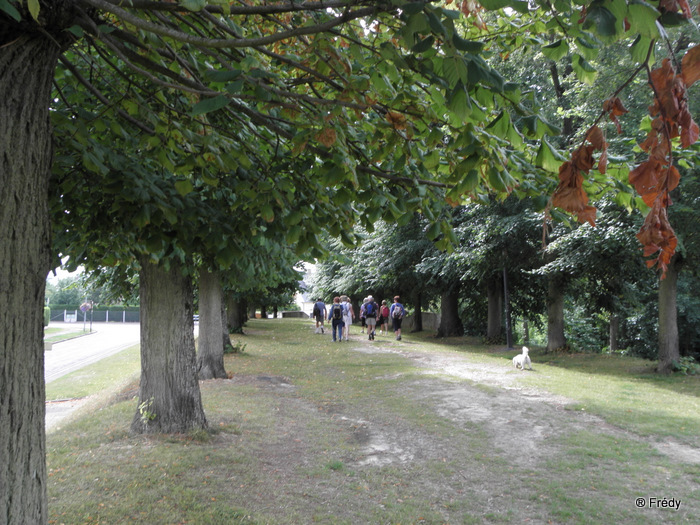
<point>450,323</point>
<point>169,397</point>
<point>210,350</point>
<point>235,314</point>
<point>668,318</point>
<point>494,294</point>
<point>555,314</point>
<point>27,64</point>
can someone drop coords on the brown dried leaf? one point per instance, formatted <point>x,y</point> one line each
<point>690,65</point>
<point>327,137</point>
<point>603,162</point>
<point>587,215</point>
<point>596,138</point>
<point>645,177</point>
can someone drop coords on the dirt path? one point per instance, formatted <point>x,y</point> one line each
<point>489,450</point>
<point>514,413</point>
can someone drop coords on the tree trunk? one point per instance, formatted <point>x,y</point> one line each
<point>450,323</point>
<point>169,397</point>
<point>263,312</point>
<point>418,316</point>
<point>235,315</point>
<point>251,312</point>
<point>27,64</point>
<point>614,332</point>
<point>555,314</point>
<point>526,331</point>
<point>210,349</point>
<point>494,294</point>
<point>225,336</point>
<point>669,352</point>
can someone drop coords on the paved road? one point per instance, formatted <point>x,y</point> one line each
<point>106,339</point>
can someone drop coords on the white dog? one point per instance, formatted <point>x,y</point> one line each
<point>523,360</point>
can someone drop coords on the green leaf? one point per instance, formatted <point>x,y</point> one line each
<point>587,49</point>
<point>424,45</point>
<point>470,182</point>
<point>640,48</point>
<point>223,76</point>
<point>459,103</point>
<point>433,231</point>
<point>468,46</point>
<point>412,8</point>
<point>33,6</point>
<point>8,8</point>
<point>547,157</point>
<point>557,50</point>
<point>585,72</point>
<point>642,17</point>
<point>209,104</point>
<point>184,187</point>
<point>267,213</point>
<point>193,5</point>
<point>492,5</point>
<point>604,21</point>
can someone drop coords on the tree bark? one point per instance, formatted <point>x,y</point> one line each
<point>210,349</point>
<point>450,323</point>
<point>614,332</point>
<point>669,352</point>
<point>27,64</point>
<point>555,314</point>
<point>225,336</point>
<point>494,294</point>
<point>169,396</point>
<point>418,314</point>
<point>235,315</point>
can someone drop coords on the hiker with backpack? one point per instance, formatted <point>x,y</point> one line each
<point>397,313</point>
<point>371,317</point>
<point>336,318</point>
<point>319,314</point>
<point>383,320</point>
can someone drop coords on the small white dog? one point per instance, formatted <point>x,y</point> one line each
<point>523,360</point>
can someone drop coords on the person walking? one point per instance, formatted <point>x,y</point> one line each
<point>371,317</point>
<point>383,320</point>
<point>397,312</point>
<point>363,317</point>
<point>336,318</point>
<point>320,314</point>
<point>348,315</point>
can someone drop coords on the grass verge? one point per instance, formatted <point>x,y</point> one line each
<point>308,431</point>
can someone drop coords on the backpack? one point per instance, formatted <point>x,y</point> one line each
<point>316,311</point>
<point>385,312</point>
<point>398,311</point>
<point>337,311</point>
<point>371,309</point>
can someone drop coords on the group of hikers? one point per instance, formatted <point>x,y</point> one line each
<point>342,315</point>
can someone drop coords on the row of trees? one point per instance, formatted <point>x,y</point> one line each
<point>223,140</point>
<point>584,287</point>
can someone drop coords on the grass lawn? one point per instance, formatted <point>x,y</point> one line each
<point>417,431</point>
